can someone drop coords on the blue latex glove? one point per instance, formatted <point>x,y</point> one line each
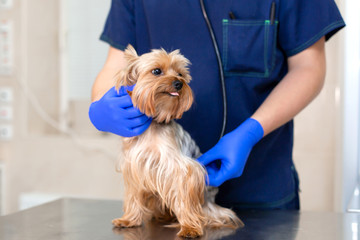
<point>115,113</point>
<point>231,152</point>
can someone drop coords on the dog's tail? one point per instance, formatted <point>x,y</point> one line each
<point>218,217</point>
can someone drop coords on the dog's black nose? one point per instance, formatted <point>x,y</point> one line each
<point>177,84</point>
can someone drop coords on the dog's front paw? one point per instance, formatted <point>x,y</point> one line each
<point>187,232</point>
<point>120,222</point>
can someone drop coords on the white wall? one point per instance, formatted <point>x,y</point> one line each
<point>316,133</point>
<point>348,164</point>
<point>39,158</point>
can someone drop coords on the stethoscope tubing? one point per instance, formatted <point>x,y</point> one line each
<point>220,65</point>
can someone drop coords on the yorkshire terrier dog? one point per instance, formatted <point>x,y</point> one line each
<point>162,178</point>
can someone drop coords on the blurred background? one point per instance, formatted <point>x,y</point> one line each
<point>49,57</point>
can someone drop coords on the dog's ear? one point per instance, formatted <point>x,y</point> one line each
<point>128,75</point>
<point>130,54</point>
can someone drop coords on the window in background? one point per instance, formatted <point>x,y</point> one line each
<point>350,168</point>
<point>82,57</point>
<point>84,54</point>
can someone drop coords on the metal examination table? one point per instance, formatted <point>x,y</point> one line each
<point>84,219</point>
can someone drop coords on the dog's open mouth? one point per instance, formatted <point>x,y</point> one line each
<point>172,94</point>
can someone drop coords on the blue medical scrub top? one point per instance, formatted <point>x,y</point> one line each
<point>254,51</point>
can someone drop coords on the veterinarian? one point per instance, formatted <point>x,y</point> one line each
<point>272,58</point>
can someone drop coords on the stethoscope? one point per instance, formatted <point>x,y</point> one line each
<point>218,57</point>
<point>220,65</point>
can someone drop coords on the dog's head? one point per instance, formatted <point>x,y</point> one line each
<point>161,91</point>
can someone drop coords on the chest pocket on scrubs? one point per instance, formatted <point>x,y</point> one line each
<point>249,47</point>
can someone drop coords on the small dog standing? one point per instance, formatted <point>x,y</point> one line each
<point>162,179</point>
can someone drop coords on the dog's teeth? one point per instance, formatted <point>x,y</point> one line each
<point>174,93</point>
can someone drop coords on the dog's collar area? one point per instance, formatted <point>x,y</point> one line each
<point>162,122</point>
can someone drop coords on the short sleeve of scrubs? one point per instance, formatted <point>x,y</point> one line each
<point>119,30</point>
<point>304,22</point>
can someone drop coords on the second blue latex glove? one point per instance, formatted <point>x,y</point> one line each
<point>231,152</point>
<point>115,113</point>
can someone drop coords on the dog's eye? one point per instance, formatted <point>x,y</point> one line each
<point>180,75</point>
<point>156,71</point>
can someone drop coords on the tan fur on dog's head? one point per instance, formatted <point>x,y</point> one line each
<point>161,91</point>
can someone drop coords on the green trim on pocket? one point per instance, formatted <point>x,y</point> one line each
<point>267,68</point>
<point>225,40</point>
<point>273,60</point>
<point>245,23</point>
<point>266,39</point>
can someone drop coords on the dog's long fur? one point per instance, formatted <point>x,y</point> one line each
<point>162,178</point>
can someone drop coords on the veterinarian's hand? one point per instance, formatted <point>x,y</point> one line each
<point>115,113</point>
<point>232,152</point>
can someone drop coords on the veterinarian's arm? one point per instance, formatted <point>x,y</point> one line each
<point>105,79</point>
<point>113,111</point>
<point>298,88</point>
